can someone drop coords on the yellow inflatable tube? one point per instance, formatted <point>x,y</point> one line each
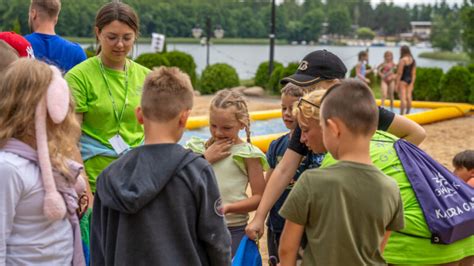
<point>432,105</point>
<point>443,111</point>
<point>203,121</point>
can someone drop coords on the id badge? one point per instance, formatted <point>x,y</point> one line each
<point>118,144</point>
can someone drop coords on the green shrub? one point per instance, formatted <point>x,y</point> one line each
<point>183,61</point>
<point>427,84</point>
<point>274,81</point>
<point>471,97</point>
<point>470,67</point>
<point>455,85</point>
<point>262,77</point>
<point>289,70</point>
<point>218,76</point>
<point>151,60</point>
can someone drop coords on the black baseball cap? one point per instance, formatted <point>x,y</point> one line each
<point>317,66</point>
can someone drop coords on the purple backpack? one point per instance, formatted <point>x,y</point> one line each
<point>447,202</point>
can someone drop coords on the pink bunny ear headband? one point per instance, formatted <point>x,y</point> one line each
<point>56,103</point>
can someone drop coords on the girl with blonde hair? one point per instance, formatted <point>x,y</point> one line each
<point>39,187</point>
<point>236,163</point>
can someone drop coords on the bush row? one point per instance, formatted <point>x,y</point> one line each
<point>456,85</point>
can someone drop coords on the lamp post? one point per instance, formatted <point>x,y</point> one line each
<point>218,33</point>
<point>272,39</point>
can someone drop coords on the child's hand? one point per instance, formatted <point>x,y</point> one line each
<point>367,80</point>
<point>218,150</point>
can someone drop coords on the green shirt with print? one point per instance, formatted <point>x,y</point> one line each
<point>93,91</point>
<point>346,209</point>
<point>411,245</point>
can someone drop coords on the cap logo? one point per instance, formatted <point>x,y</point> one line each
<point>303,65</point>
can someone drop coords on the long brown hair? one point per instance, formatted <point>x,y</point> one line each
<point>227,98</point>
<point>24,83</point>
<point>116,11</point>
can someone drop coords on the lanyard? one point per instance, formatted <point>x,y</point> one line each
<point>118,117</point>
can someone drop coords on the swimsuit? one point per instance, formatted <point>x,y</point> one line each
<point>406,75</point>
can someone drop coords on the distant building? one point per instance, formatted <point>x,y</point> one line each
<point>421,30</point>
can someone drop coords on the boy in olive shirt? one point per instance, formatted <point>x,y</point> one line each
<point>347,210</point>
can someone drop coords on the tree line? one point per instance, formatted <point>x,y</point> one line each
<point>243,18</point>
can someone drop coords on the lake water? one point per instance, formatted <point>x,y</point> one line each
<point>246,58</point>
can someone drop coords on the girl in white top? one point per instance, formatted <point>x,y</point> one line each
<point>236,163</point>
<point>38,192</point>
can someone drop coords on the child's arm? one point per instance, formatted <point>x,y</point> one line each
<point>268,174</point>
<point>290,242</point>
<point>413,74</point>
<point>257,185</point>
<point>385,240</point>
<point>276,184</point>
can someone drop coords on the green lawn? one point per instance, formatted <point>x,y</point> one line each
<point>444,55</point>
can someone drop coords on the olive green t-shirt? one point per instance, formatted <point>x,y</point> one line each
<point>346,209</point>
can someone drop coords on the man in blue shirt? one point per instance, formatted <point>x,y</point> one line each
<point>48,46</point>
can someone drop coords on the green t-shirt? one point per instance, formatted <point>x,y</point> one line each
<point>346,209</point>
<point>411,245</point>
<point>92,98</point>
<point>231,175</point>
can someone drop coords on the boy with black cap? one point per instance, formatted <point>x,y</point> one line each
<point>320,69</point>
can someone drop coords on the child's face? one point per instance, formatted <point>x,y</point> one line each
<point>463,173</point>
<point>388,57</point>
<point>223,124</point>
<point>311,134</point>
<point>287,110</point>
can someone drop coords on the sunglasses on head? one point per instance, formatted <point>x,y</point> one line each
<point>302,100</point>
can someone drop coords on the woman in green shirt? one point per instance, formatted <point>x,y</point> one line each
<point>107,89</point>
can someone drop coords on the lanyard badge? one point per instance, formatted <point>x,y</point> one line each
<point>117,142</point>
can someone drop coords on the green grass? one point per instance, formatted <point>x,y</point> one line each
<point>248,41</point>
<point>444,55</point>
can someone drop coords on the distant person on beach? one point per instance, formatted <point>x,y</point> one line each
<point>386,71</point>
<point>237,163</point>
<point>405,79</point>
<point>158,203</point>
<point>361,67</point>
<point>48,46</point>
<point>463,164</point>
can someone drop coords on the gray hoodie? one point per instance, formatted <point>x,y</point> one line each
<point>158,205</point>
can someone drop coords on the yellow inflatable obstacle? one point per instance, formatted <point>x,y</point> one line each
<point>440,111</point>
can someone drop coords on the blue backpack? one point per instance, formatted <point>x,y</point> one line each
<point>447,202</point>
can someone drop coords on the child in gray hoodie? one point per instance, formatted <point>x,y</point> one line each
<point>159,204</point>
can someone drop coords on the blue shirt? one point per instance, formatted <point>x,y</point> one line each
<point>274,154</point>
<point>57,51</point>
